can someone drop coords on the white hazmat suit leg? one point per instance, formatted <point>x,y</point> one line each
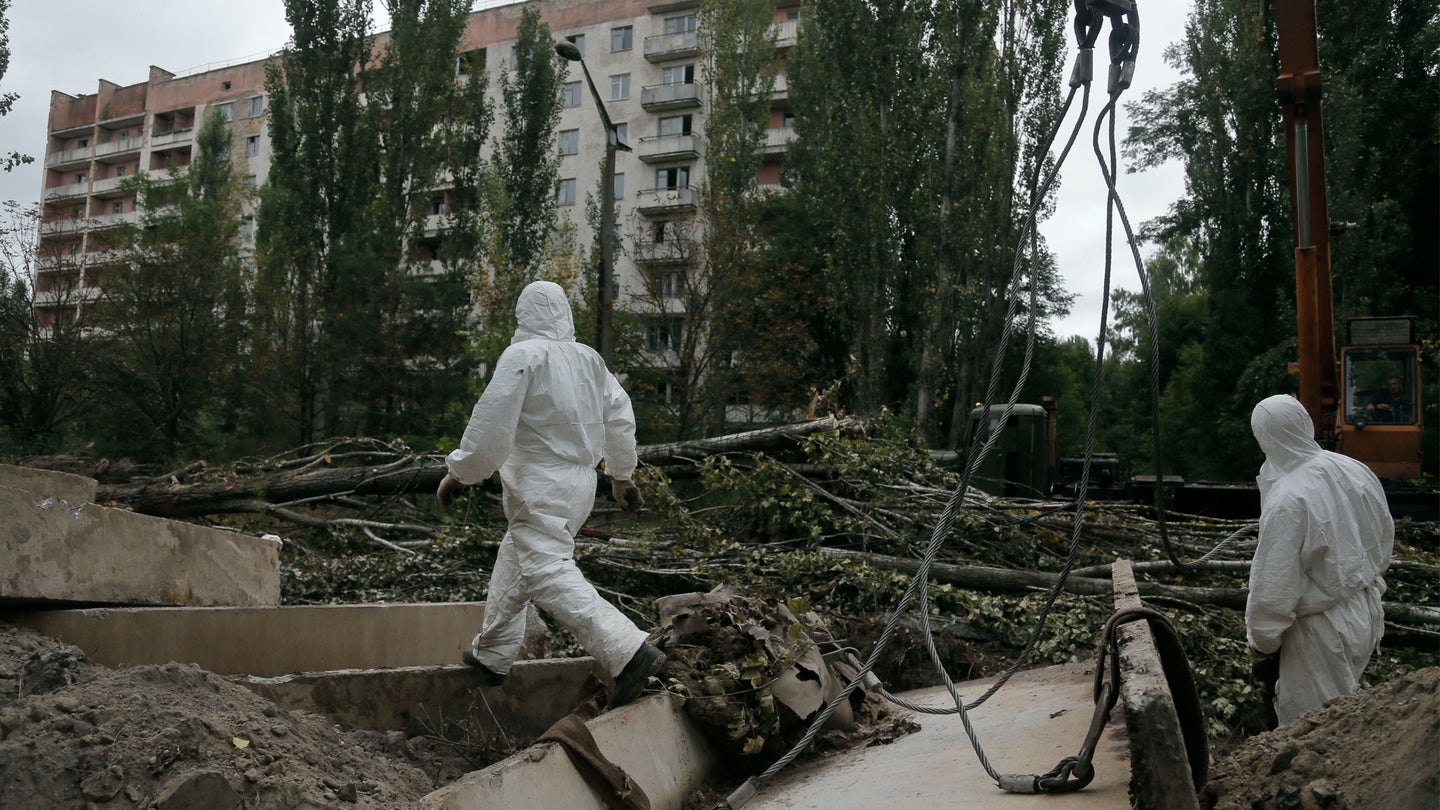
<point>536,564</point>
<point>1326,537</point>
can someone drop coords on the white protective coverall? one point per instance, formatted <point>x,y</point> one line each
<point>548,416</point>
<point>1325,541</point>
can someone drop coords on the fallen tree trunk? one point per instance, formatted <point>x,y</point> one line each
<point>1004,580</point>
<point>317,478</point>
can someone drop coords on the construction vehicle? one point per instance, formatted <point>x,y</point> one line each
<point>1380,360</point>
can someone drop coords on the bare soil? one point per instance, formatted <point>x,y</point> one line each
<point>1378,749</point>
<point>78,735</point>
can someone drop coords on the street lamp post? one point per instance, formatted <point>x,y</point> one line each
<point>604,334</point>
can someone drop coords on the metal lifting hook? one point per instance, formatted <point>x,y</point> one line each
<point>1090,16</point>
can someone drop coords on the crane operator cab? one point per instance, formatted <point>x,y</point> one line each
<point>1380,420</point>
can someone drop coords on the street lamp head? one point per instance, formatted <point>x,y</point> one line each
<point>568,51</point>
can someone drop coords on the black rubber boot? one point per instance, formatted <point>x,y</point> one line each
<point>630,683</point>
<point>488,676</point>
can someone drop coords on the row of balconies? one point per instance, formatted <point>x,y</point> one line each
<point>685,44</point>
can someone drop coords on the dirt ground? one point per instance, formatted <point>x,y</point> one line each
<point>1378,749</point>
<point>77,735</point>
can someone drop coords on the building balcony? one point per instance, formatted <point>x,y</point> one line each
<point>661,148</point>
<point>777,140</point>
<point>656,254</point>
<point>658,97</point>
<point>785,33</point>
<point>665,47</point>
<point>171,138</point>
<point>69,157</point>
<point>666,200</point>
<point>119,146</point>
<point>68,294</point>
<point>107,187</point>
<point>70,190</point>
<point>113,220</point>
<point>781,90</point>
<point>60,227</point>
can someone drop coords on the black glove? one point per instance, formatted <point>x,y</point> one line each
<point>1265,670</point>
<point>626,494</point>
<point>449,488</point>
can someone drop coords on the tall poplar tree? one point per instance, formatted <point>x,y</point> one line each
<point>525,167</point>
<point>174,312</point>
<point>430,120</point>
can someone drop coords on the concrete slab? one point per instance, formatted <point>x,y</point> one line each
<point>653,740</point>
<point>272,641</point>
<point>73,489</point>
<point>1030,725</point>
<point>54,553</point>
<point>1162,775</point>
<point>446,701</point>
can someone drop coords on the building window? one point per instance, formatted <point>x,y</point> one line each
<point>788,120</point>
<point>119,171</point>
<point>677,74</point>
<point>565,192</point>
<point>225,85</point>
<point>569,141</point>
<point>579,41</point>
<point>79,178</point>
<point>118,208</point>
<point>675,125</point>
<point>620,87</point>
<point>227,110</point>
<point>247,227</point>
<point>252,145</point>
<point>680,25</point>
<point>257,106</point>
<point>469,62</point>
<point>84,142</point>
<point>664,335</point>
<point>672,177</point>
<point>619,185</point>
<point>622,38</point>
<point>572,94</point>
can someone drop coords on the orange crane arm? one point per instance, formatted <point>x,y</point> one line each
<point>1298,86</point>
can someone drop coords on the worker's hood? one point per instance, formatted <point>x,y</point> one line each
<point>543,311</point>
<point>1287,436</point>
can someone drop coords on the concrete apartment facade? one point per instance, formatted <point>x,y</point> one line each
<point>644,57</point>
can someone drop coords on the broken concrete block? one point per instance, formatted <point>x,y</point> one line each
<point>73,489</point>
<point>54,552</point>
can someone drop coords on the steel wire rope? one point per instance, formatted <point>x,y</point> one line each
<point>1115,205</point>
<point>947,517</point>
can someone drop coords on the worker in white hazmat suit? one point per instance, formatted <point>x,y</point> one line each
<point>1326,537</point>
<point>550,413</point>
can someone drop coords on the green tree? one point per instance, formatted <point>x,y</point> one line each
<point>45,358</point>
<point>173,312</point>
<point>7,100</point>
<point>919,126</point>
<point>525,169</point>
<point>1223,122</point>
<point>312,241</point>
<point>428,117</point>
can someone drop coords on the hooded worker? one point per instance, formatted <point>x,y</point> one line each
<point>1326,537</point>
<point>550,413</point>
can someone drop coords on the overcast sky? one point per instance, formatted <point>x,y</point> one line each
<point>68,45</point>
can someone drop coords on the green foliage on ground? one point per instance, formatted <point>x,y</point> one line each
<point>751,522</point>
